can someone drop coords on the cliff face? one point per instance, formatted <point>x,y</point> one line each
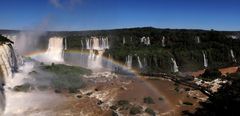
<point>8,65</point>
<point>152,49</point>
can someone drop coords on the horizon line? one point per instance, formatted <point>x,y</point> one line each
<point>134,27</point>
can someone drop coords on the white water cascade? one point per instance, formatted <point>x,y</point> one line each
<point>205,61</point>
<point>65,44</point>
<point>8,60</point>
<point>145,40</point>
<point>95,43</point>
<point>8,66</point>
<point>82,45</point>
<point>124,41</point>
<point>54,52</point>
<point>233,56</point>
<point>129,61</point>
<point>163,41</point>
<point>175,66</point>
<point>198,40</point>
<point>96,47</point>
<point>139,62</point>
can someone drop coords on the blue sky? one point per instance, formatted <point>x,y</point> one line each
<point>110,14</point>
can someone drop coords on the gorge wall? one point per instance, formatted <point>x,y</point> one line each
<point>152,50</point>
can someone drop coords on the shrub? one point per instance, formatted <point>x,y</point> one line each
<point>148,100</point>
<point>160,98</point>
<point>113,107</point>
<point>211,74</point>
<point>150,111</point>
<point>24,88</point>
<point>187,103</point>
<point>123,102</point>
<point>135,110</point>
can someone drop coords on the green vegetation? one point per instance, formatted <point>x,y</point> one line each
<point>150,111</point>
<point>4,39</point>
<point>148,100</point>
<point>42,87</point>
<point>160,98</point>
<point>187,103</point>
<point>211,74</point>
<point>123,102</point>
<point>23,88</point>
<point>66,77</point>
<point>180,44</point>
<point>225,102</point>
<point>113,107</point>
<point>135,110</point>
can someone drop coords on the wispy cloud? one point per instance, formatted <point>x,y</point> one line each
<point>55,3</point>
<point>65,3</point>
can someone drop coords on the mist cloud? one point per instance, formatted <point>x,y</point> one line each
<point>65,3</point>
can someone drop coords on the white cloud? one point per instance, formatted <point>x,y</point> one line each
<point>65,3</point>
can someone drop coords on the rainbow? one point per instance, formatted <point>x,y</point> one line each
<point>117,63</point>
<point>132,71</point>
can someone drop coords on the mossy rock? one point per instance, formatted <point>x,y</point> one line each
<point>148,100</point>
<point>135,110</point>
<point>150,111</point>
<point>23,88</point>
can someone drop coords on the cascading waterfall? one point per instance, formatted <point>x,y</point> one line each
<point>65,44</point>
<point>54,52</point>
<point>82,45</point>
<point>129,61</point>
<point>139,62</point>
<point>8,66</point>
<point>198,40</point>
<point>175,66</point>
<point>96,47</point>
<point>163,41</point>
<point>124,41</point>
<point>233,56</point>
<point>145,62</point>
<point>8,60</point>
<point>145,40</point>
<point>205,61</point>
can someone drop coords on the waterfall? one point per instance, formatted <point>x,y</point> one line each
<point>96,47</point>
<point>145,62</point>
<point>139,62</point>
<point>54,52</point>
<point>129,61</point>
<point>198,40</point>
<point>205,61</point>
<point>97,43</point>
<point>65,44</point>
<point>124,41</point>
<point>163,42</point>
<point>233,56</point>
<point>95,59</point>
<point>8,60</point>
<point>145,40</point>
<point>82,45</point>
<point>175,66</point>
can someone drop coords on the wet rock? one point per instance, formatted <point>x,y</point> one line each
<point>89,93</point>
<point>100,102</point>
<point>78,96</point>
<point>123,88</point>
<point>113,107</point>
<point>114,113</point>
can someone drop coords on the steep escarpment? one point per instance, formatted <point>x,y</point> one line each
<point>152,50</point>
